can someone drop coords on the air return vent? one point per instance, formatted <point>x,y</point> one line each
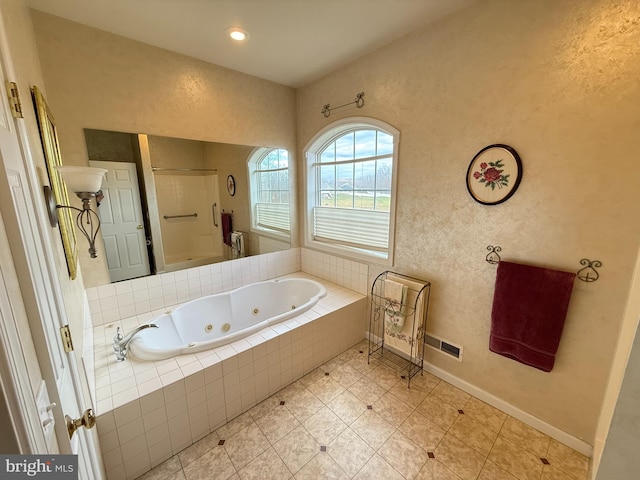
<point>443,346</point>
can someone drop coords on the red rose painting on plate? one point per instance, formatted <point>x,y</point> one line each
<point>494,174</point>
<point>491,175</point>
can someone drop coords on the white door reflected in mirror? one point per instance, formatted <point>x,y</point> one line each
<point>121,221</point>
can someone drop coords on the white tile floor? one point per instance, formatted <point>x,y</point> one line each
<point>350,419</point>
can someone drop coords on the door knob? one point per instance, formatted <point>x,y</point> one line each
<point>139,227</point>
<point>88,420</point>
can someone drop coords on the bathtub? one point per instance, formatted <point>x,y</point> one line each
<point>216,320</point>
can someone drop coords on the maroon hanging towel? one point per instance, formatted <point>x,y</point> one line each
<point>529,309</point>
<point>227,227</point>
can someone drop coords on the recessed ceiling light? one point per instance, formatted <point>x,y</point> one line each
<point>238,34</point>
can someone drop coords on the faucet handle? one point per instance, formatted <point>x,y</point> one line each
<point>118,336</point>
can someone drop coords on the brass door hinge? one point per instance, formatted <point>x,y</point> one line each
<point>14,99</point>
<point>67,343</point>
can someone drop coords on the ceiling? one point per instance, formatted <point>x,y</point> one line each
<point>293,42</point>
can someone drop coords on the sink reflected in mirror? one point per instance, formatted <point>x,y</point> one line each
<point>172,203</point>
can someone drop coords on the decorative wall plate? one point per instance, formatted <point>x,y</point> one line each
<point>231,185</point>
<point>494,174</point>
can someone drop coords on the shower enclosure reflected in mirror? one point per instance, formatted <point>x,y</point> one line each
<point>166,205</point>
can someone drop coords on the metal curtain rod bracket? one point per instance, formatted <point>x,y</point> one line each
<point>587,274</point>
<point>359,102</point>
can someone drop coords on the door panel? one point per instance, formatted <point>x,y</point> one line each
<point>134,253</point>
<point>111,251</point>
<point>106,212</point>
<point>31,243</point>
<point>122,222</point>
<point>127,206</point>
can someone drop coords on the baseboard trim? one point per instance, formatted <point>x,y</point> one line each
<point>534,422</point>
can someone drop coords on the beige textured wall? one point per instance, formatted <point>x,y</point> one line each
<point>104,81</point>
<point>558,81</point>
<point>169,152</point>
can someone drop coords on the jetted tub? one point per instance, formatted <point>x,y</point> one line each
<point>216,320</point>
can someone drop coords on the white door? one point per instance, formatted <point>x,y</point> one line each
<point>29,240</point>
<point>121,220</point>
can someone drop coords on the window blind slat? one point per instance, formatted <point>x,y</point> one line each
<point>273,215</point>
<point>362,228</point>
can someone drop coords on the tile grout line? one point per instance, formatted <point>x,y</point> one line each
<point>494,444</point>
<point>272,445</point>
<point>546,457</point>
<point>486,457</point>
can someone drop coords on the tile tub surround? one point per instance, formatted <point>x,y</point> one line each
<point>149,411</point>
<point>121,300</point>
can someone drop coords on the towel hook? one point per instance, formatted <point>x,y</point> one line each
<point>493,257</point>
<point>589,272</point>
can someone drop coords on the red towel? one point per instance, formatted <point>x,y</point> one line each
<point>529,308</point>
<point>227,227</point>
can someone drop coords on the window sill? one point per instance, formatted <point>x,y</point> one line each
<point>351,253</point>
<point>274,235</point>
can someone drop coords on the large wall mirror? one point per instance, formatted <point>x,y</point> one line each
<point>167,205</point>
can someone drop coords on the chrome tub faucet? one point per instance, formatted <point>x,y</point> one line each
<point>121,343</point>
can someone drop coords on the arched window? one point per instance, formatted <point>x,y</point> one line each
<point>269,180</point>
<point>351,170</point>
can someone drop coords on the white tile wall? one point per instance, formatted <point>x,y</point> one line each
<point>117,301</point>
<point>343,272</point>
<point>148,411</point>
<point>122,300</point>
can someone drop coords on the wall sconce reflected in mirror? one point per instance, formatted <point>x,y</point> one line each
<point>86,183</point>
